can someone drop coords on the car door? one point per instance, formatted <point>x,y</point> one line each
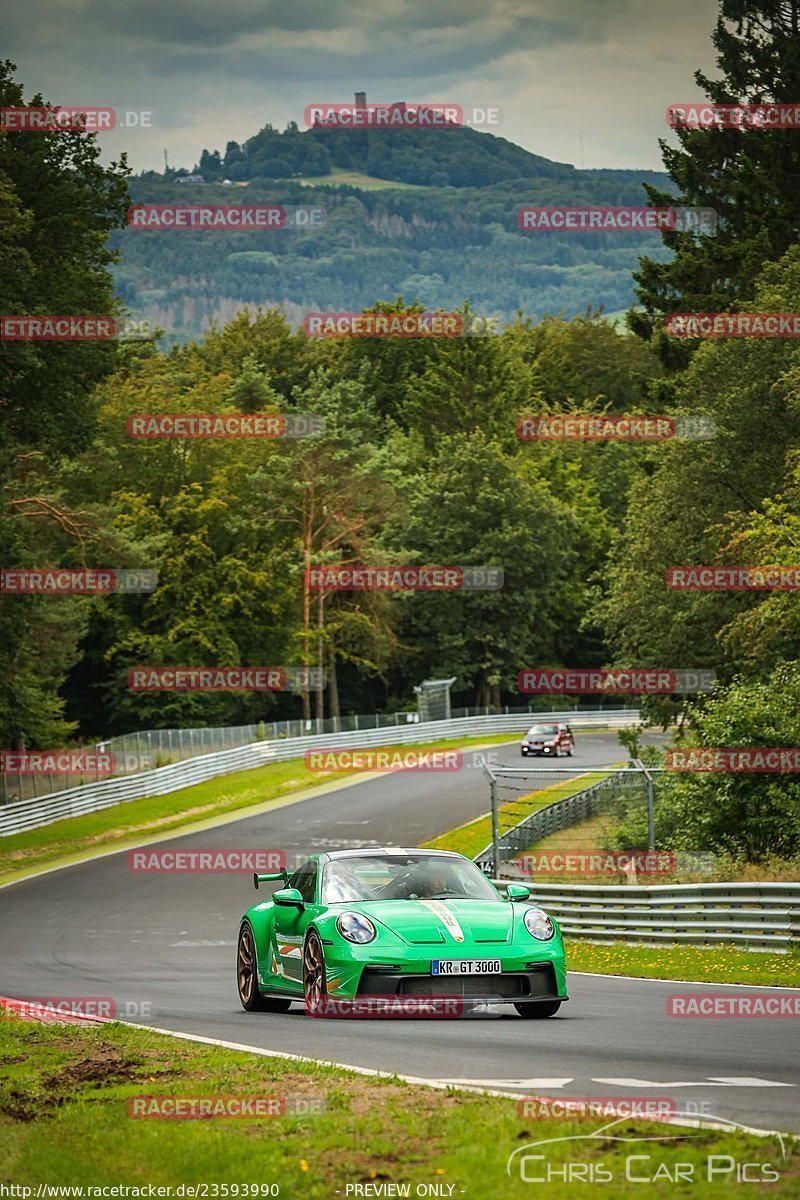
<point>290,923</point>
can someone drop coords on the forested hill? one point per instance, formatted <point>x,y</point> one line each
<point>427,214</point>
<point>454,157</point>
<point>457,157</point>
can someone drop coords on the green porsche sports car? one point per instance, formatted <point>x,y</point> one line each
<point>354,924</point>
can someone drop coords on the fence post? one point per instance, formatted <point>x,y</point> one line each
<point>651,815</point>
<point>651,800</point>
<point>495,830</point>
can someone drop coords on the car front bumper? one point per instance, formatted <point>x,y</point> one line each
<point>535,973</point>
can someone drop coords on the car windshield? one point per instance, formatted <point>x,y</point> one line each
<point>543,731</point>
<point>404,877</point>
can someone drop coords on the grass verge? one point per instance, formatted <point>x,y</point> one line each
<point>126,825</point>
<point>473,837</point>
<point>710,964</point>
<point>65,1093</point>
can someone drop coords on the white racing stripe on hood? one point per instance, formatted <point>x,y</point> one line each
<point>446,917</point>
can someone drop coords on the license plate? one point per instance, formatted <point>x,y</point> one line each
<point>466,966</point>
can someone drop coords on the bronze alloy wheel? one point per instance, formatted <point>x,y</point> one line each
<point>247,978</point>
<point>246,967</point>
<point>314,983</point>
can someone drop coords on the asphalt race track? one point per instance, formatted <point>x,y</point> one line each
<point>167,941</point>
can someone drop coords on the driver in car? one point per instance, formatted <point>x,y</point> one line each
<point>427,884</point>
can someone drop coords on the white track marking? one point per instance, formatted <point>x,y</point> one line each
<point>202,942</point>
<point>506,1083</point>
<point>747,1081</point>
<point>752,987</point>
<point>720,1081</point>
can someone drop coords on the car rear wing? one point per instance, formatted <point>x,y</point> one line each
<point>270,878</point>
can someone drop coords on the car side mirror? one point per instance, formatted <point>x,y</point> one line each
<point>288,898</point>
<point>515,891</point>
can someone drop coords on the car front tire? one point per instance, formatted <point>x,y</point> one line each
<point>250,997</point>
<point>538,1011</point>
<point>315,984</point>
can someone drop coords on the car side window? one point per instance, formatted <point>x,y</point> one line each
<point>299,873</point>
<point>306,882</point>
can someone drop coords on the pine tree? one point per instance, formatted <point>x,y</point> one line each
<point>749,177</point>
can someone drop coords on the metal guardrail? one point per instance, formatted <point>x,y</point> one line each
<point>755,916</point>
<point>22,815</point>
<point>30,814</point>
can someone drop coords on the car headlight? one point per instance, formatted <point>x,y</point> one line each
<point>355,928</point>
<point>539,925</point>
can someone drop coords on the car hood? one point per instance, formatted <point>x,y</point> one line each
<point>539,737</point>
<point>439,922</point>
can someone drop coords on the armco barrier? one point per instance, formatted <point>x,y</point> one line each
<point>755,916</point>
<point>30,814</point>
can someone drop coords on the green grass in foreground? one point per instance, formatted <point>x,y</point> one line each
<point>65,1090</point>
<point>127,824</point>
<point>710,964</point>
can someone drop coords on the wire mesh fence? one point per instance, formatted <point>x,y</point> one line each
<point>147,749</point>
<point>584,824</point>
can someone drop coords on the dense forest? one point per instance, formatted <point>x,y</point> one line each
<point>451,236</point>
<point>420,461</point>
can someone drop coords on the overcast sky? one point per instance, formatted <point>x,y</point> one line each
<point>600,72</point>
